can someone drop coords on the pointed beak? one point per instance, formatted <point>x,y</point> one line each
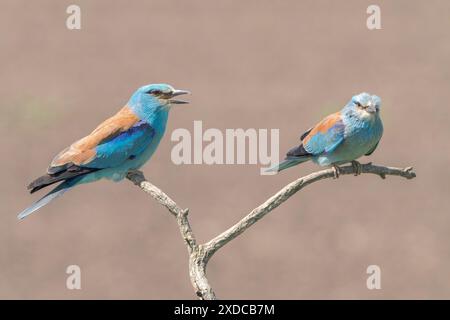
<point>371,108</point>
<point>176,93</point>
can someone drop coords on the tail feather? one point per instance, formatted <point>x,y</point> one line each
<point>55,193</point>
<point>287,163</point>
<point>69,172</point>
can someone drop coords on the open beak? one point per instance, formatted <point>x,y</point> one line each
<point>176,93</point>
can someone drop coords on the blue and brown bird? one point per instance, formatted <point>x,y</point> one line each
<point>341,137</point>
<point>121,143</point>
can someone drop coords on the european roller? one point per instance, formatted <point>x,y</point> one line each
<point>121,143</point>
<point>341,137</point>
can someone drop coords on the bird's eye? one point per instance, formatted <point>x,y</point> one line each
<point>358,104</point>
<point>155,92</point>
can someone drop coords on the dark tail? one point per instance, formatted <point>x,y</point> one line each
<point>55,193</point>
<point>49,179</point>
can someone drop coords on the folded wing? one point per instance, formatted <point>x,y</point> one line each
<point>326,136</point>
<point>113,142</point>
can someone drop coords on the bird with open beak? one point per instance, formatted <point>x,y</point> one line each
<point>124,142</point>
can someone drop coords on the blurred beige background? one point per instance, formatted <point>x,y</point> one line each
<point>249,64</point>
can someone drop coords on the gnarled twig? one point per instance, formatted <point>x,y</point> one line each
<point>199,254</point>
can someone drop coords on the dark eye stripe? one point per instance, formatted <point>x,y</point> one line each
<point>155,92</point>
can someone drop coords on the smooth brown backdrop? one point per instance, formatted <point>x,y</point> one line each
<point>249,64</point>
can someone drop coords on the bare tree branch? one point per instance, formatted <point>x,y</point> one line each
<point>199,255</point>
<point>197,261</point>
<point>281,196</point>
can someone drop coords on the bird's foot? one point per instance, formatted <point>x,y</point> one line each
<point>136,176</point>
<point>357,167</point>
<point>132,172</point>
<point>336,171</point>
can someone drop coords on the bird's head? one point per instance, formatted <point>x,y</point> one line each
<point>365,104</point>
<point>159,94</point>
<point>155,97</point>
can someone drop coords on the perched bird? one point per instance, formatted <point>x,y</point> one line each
<point>341,137</point>
<point>121,143</point>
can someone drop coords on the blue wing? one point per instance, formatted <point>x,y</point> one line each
<point>326,136</point>
<point>126,145</point>
<point>111,144</point>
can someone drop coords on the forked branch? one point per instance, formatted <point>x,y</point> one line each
<point>199,254</point>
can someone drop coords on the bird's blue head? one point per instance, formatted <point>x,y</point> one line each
<point>154,100</point>
<point>365,103</point>
<point>363,107</point>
